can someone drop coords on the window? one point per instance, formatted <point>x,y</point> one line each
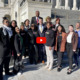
<point>15,15</point>
<point>5,1</point>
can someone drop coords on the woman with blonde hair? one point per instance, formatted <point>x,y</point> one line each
<point>48,19</point>
<point>72,42</point>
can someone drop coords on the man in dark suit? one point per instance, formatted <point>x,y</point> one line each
<point>41,31</point>
<point>35,19</point>
<point>5,38</point>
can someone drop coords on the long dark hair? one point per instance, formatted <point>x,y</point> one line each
<point>26,20</point>
<point>63,29</point>
<point>35,27</point>
<point>15,23</point>
<point>13,28</point>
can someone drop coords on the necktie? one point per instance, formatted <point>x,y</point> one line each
<point>41,29</point>
<point>37,20</point>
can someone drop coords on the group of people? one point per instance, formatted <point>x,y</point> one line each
<point>21,42</point>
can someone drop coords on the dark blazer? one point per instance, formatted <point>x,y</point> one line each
<point>43,32</point>
<point>34,21</point>
<point>54,27</point>
<point>4,44</point>
<point>74,40</point>
<point>18,44</point>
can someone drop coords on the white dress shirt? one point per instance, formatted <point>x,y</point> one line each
<point>41,27</point>
<point>69,38</point>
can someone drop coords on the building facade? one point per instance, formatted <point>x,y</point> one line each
<point>20,10</point>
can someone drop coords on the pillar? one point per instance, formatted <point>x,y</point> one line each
<point>67,5</point>
<point>74,5</point>
<point>58,4</point>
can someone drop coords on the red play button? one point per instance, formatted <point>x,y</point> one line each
<point>41,40</point>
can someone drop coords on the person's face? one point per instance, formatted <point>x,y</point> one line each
<point>37,14</point>
<point>17,30</point>
<point>58,21</point>
<point>77,25</point>
<point>40,21</point>
<point>22,27</point>
<point>32,28</point>
<point>48,20</point>
<point>71,28</point>
<point>6,22</point>
<point>59,28</point>
<point>13,24</point>
<point>27,23</point>
<point>48,26</point>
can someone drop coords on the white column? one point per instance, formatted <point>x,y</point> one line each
<point>1,3</point>
<point>58,4</point>
<point>67,5</point>
<point>9,3</point>
<point>52,1</point>
<point>42,0</point>
<point>74,5</point>
<point>39,0</point>
<point>49,1</point>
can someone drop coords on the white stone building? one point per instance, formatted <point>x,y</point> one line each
<point>20,10</point>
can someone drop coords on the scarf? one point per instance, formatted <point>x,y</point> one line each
<point>7,30</point>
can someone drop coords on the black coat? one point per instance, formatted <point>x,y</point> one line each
<point>32,36</point>
<point>18,44</point>
<point>12,38</point>
<point>24,35</point>
<point>4,44</point>
<point>50,37</point>
<point>34,21</point>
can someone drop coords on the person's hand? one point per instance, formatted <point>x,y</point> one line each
<point>18,54</point>
<point>50,48</point>
<point>74,50</point>
<point>53,29</point>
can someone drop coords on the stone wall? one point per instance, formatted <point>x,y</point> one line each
<point>3,12</point>
<point>27,10</point>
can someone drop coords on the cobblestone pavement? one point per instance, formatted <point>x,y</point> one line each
<point>38,72</point>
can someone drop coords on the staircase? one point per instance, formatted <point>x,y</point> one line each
<point>68,17</point>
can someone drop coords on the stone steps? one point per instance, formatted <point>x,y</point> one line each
<point>68,17</point>
<point>67,14</point>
